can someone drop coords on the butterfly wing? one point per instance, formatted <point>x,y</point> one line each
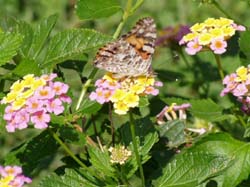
<point>130,55</point>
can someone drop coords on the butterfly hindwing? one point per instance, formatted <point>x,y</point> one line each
<point>130,55</point>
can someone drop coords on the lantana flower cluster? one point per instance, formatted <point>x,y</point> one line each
<point>170,113</point>
<point>211,34</point>
<point>32,100</point>
<point>238,84</point>
<point>11,176</point>
<point>125,92</point>
<point>119,154</point>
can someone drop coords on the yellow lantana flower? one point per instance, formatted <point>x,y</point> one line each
<point>205,39</point>
<point>138,89</point>
<point>216,32</point>
<point>228,31</point>
<point>210,22</point>
<point>198,27</point>
<point>28,80</point>
<point>118,95</point>
<point>190,36</point>
<point>147,81</point>
<point>27,93</point>
<point>18,103</point>
<point>10,97</point>
<point>4,182</point>
<point>241,73</point>
<point>37,83</point>
<point>17,87</point>
<point>224,22</point>
<point>121,108</point>
<point>131,100</point>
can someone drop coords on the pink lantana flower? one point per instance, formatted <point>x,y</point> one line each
<point>9,113</point>
<point>45,92</point>
<point>240,90</point>
<point>55,106</point>
<point>193,47</point>
<point>151,90</point>
<point>218,45</point>
<point>40,119</point>
<point>11,176</point>
<point>98,95</point>
<point>49,77</point>
<point>22,118</point>
<point>65,98</point>
<point>59,88</point>
<point>34,104</point>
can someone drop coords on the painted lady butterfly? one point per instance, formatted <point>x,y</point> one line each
<point>131,54</point>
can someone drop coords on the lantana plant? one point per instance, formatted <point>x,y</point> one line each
<point>153,122</point>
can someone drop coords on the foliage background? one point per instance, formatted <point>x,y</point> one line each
<point>171,70</point>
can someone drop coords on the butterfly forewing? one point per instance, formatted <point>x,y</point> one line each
<point>130,55</point>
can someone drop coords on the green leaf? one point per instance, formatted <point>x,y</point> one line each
<point>27,66</point>
<point>93,9</point>
<point>247,130</point>
<point>146,138</point>
<point>176,100</point>
<point>9,44</point>
<point>41,34</point>
<point>143,102</point>
<point>224,144</point>
<point>101,161</point>
<point>34,153</point>
<point>207,109</point>
<point>190,169</point>
<point>71,135</point>
<point>27,32</point>
<point>173,131</point>
<point>89,107</point>
<point>244,47</point>
<point>68,44</point>
<point>70,178</point>
<point>34,39</point>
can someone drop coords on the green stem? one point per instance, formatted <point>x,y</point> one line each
<point>138,159</point>
<point>123,176</point>
<point>217,5</point>
<point>70,153</point>
<point>125,16</point>
<point>85,87</point>
<point>243,123</point>
<point>218,61</point>
<point>137,5</point>
<point>184,59</point>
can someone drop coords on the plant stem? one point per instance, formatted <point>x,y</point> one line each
<point>125,16</point>
<point>138,159</point>
<point>218,6</point>
<point>184,59</point>
<point>70,153</point>
<point>243,123</point>
<point>218,61</point>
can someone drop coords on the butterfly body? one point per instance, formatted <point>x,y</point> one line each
<point>131,54</point>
